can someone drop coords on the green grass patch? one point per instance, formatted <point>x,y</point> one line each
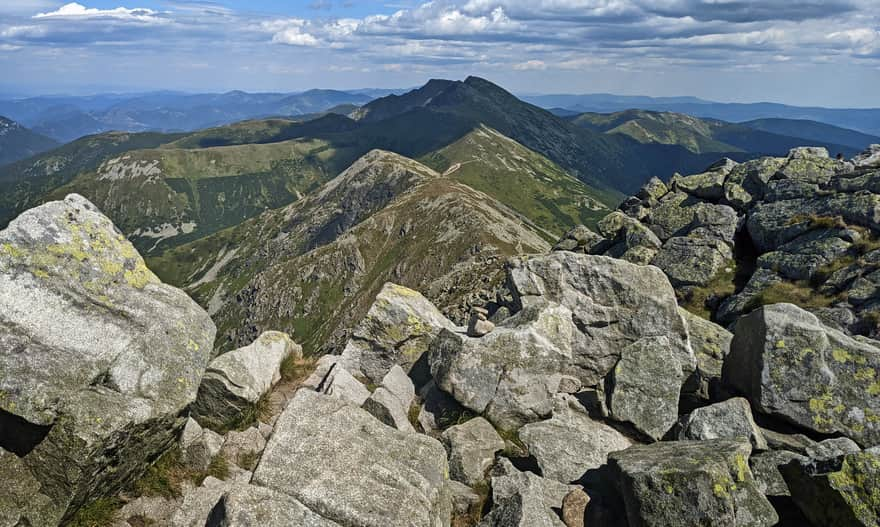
<point>99,513</point>
<point>800,293</point>
<point>722,286</point>
<point>166,476</point>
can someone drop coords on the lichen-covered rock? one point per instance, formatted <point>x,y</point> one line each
<point>472,446</point>
<point>397,329</point>
<point>791,366</point>
<point>235,381</point>
<point>570,444</point>
<point>342,463</point>
<point>691,261</point>
<point>847,495</point>
<point>390,402</point>
<point>249,505</point>
<point>708,185</point>
<point>98,358</point>
<point>655,189</point>
<point>766,469</point>
<point>579,239</point>
<point>511,374</point>
<point>690,483</point>
<point>644,387</point>
<point>870,158</point>
<point>612,303</point>
<point>628,238</point>
<point>730,419</point>
<point>711,343</point>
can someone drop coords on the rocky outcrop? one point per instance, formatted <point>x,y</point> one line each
<point>397,329</point>
<point>791,366</point>
<point>235,381</point>
<point>690,483</point>
<point>524,499</point>
<point>340,462</point>
<point>99,359</point>
<point>613,304</point>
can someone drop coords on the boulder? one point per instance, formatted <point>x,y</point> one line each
<point>791,366</point>
<point>342,463</point>
<point>711,343</point>
<point>524,499</point>
<point>511,374</point>
<point>644,387</point>
<point>235,381</point>
<point>845,495</point>
<point>628,238</point>
<point>246,505</point>
<point>397,329</point>
<point>99,359</point>
<point>766,469</point>
<point>570,444</point>
<point>472,446</point>
<point>691,261</point>
<point>612,303</point>
<point>709,185</point>
<point>390,402</point>
<point>654,189</point>
<point>478,324</point>
<point>198,503</point>
<point>579,239</point>
<point>198,446</point>
<point>437,407</point>
<point>465,500</point>
<point>870,158</point>
<point>730,419</point>
<point>690,483</point>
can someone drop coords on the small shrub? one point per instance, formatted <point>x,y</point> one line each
<point>818,222</point>
<point>219,468</point>
<point>295,370</point>
<point>98,513</point>
<point>413,414</point>
<point>249,460</point>
<point>722,286</point>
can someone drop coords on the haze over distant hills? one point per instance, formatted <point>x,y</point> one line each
<point>865,120</point>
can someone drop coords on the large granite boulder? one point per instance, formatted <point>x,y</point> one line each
<point>791,366</point>
<point>246,505</point>
<point>613,304</point>
<point>846,494</point>
<point>390,402</point>
<point>693,261</point>
<point>571,443</point>
<point>472,446</point>
<point>690,483</point>
<point>235,381</point>
<point>397,329</point>
<point>645,386</point>
<point>98,358</point>
<point>711,343</point>
<point>342,463</point>
<point>510,375</point>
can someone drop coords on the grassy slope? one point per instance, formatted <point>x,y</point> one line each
<point>522,179</point>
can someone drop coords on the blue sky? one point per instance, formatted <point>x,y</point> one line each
<point>808,52</point>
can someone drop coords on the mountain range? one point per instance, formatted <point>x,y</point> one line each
<point>866,120</point>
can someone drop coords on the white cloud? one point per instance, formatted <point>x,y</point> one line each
<point>530,65</point>
<point>79,11</point>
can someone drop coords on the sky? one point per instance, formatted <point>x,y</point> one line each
<point>804,52</point>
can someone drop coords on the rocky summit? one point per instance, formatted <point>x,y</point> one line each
<point>400,349</point>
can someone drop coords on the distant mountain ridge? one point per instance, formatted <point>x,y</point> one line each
<point>698,135</point>
<point>17,142</point>
<point>865,120</point>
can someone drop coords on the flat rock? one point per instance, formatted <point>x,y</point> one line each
<point>246,505</point>
<point>690,483</point>
<point>342,463</point>
<point>99,358</point>
<point>791,366</point>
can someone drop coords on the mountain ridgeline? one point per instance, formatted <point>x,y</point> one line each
<point>17,142</point>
